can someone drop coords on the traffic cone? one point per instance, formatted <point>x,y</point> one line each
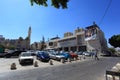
<point>13,66</point>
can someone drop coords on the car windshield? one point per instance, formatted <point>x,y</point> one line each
<point>52,52</point>
<point>25,54</point>
<point>44,53</point>
<point>79,53</point>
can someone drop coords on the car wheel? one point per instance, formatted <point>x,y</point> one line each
<point>7,56</point>
<point>41,59</point>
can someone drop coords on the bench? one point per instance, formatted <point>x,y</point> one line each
<point>114,75</point>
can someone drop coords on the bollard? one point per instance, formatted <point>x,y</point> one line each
<point>84,57</point>
<point>69,59</point>
<point>80,58</point>
<point>63,60</point>
<point>13,66</point>
<point>35,64</point>
<point>51,62</point>
<point>74,58</point>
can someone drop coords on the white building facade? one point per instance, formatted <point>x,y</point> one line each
<point>88,39</point>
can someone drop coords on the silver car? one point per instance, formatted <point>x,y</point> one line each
<point>56,56</point>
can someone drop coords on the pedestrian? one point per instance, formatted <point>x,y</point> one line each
<point>96,55</point>
<point>92,54</point>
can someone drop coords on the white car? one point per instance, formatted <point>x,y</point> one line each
<point>87,53</point>
<point>26,57</point>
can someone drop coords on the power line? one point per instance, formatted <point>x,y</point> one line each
<point>105,12</point>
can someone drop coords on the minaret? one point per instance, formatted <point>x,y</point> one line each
<point>29,32</point>
<point>29,36</point>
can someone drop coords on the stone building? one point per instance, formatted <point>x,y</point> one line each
<point>39,45</point>
<point>88,39</point>
<point>53,43</point>
<point>35,46</point>
<point>2,40</point>
<point>95,38</point>
<point>19,44</point>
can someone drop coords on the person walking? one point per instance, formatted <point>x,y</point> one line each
<point>96,55</point>
<point>92,54</point>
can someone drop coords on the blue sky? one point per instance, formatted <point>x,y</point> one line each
<point>17,15</point>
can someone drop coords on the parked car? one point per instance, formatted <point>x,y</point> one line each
<point>13,54</point>
<point>33,53</point>
<point>43,56</point>
<point>56,56</point>
<point>66,55</point>
<point>80,54</point>
<point>2,54</point>
<point>107,54</point>
<point>25,57</point>
<point>73,55</point>
<point>87,53</point>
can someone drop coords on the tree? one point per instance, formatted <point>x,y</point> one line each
<point>56,3</point>
<point>2,46</point>
<point>115,41</point>
<point>43,44</point>
<point>20,42</point>
<point>112,50</point>
<point>11,47</point>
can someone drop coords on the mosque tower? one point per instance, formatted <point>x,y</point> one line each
<point>29,36</point>
<point>29,32</point>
